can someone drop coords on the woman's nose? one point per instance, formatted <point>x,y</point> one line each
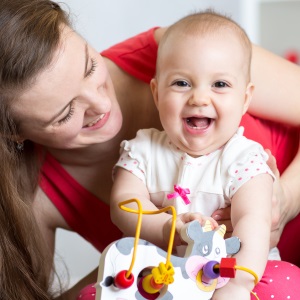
<point>98,102</point>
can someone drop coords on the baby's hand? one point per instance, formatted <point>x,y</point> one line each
<point>181,220</point>
<point>185,218</point>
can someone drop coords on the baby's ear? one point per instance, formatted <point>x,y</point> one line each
<point>153,86</point>
<point>248,96</point>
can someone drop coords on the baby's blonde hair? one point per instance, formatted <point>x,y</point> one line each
<point>206,23</point>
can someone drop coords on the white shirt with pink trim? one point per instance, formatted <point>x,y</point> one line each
<point>212,179</point>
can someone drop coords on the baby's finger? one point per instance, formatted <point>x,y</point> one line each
<point>189,217</point>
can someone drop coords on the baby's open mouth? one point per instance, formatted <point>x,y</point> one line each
<point>198,123</point>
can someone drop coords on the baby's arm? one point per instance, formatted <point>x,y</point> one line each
<point>128,186</point>
<point>251,219</point>
<point>155,228</point>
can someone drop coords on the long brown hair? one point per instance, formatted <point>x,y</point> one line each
<point>29,35</point>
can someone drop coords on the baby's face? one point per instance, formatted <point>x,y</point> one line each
<point>202,90</point>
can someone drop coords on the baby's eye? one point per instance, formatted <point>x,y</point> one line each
<point>220,84</point>
<point>181,83</point>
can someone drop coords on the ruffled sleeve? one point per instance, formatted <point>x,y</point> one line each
<point>250,161</point>
<point>135,154</point>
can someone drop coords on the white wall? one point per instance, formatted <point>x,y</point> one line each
<point>104,23</point>
<point>74,257</point>
<point>280,24</point>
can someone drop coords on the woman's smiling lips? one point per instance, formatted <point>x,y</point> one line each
<point>99,122</point>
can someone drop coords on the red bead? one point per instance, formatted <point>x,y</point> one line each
<point>227,267</point>
<point>143,293</point>
<point>122,282</point>
<point>157,286</point>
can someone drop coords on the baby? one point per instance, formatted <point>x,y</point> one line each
<point>201,161</point>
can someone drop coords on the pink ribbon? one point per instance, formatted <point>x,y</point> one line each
<point>180,192</point>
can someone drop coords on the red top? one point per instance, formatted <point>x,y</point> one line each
<point>85,213</point>
<point>136,55</point>
<point>90,217</point>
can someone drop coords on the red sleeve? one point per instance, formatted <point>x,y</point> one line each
<point>136,55</point>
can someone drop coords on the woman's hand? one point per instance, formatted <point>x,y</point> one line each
<point>279,203</point>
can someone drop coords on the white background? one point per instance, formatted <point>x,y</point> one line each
<point>104,23</point>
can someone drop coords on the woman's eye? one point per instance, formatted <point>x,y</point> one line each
<point>67,117</point>
<point>93,67</point>
<point>220,84</point>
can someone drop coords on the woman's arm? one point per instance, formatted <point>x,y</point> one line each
<point>287,193</point>
<point>276,96</point>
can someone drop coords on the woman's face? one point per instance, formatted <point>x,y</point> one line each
<point>71,104</point>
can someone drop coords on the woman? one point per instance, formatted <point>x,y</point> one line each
<point>59,109</point>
